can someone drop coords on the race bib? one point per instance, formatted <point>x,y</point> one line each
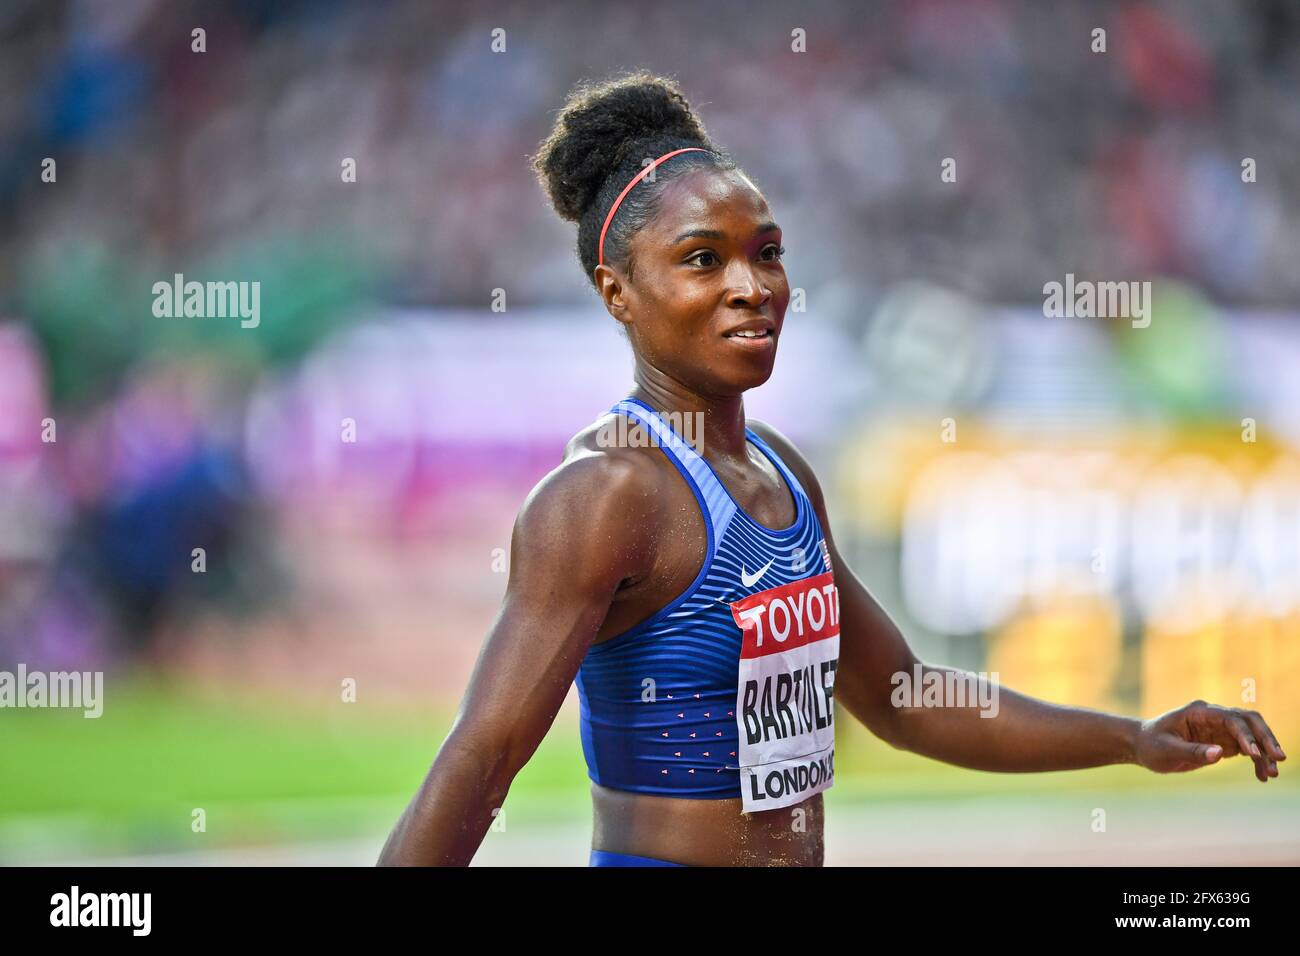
<point>790,646</point>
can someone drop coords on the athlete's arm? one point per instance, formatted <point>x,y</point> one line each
<point>585,528</point>
<point>1027,734</point>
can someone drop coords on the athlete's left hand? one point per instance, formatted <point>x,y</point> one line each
<point>1199,734</point>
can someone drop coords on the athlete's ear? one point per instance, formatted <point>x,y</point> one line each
<point>613,291</point>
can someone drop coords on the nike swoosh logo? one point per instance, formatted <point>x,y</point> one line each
<point>749,580</point>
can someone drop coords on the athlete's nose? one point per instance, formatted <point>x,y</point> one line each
<point>747,290</point>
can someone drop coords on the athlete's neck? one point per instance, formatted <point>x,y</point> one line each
<point>723,417</point>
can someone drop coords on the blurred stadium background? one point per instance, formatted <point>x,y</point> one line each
<point>1100,534</point>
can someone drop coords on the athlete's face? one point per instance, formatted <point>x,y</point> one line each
<point>706,269</point>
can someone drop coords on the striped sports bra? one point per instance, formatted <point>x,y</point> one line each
<point>727,690</point>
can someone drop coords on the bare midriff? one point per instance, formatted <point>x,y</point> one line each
<point>706,832</point>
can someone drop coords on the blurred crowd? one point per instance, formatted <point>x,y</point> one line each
<point>1116,155</point>
<point>1121,164</point>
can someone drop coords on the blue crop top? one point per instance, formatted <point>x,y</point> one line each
<point>727,690</point>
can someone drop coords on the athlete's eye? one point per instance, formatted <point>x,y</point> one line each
<point>704,254</point>
<point>777,252</point>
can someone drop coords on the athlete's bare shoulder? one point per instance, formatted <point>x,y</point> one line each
<point>600,509</point>
<point>793,458</point>
<point>618,450</point>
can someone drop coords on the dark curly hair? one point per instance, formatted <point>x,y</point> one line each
<point>601,139</point>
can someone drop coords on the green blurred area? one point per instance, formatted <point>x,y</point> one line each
<point>267,770</point>
<point>92,307</point>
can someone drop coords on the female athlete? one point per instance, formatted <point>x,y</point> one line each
<point>693,587</point>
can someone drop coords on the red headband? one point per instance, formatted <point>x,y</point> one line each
<point>600,250</point>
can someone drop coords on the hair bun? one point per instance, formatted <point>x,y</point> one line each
<point>599,126</point>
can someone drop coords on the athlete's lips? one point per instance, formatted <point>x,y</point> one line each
<point>758,332</point>
<point>753,325</point>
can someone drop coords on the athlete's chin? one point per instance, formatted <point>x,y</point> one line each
<point>752,372</point>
